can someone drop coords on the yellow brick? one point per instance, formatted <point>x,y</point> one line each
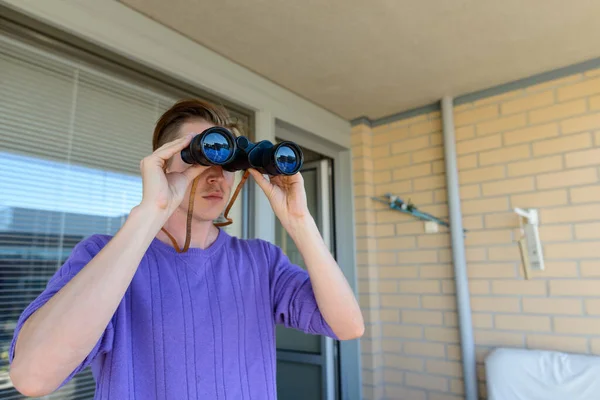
<point>567,178</point>
<point>464,132</point>
<point>504,253</point>
<point>597,135</point>
<point>438,240</point>
<point>562,145</point>
<point>472,223</point>
<point>482,174</point>
<point>381,151</point>
<point>479,287</point>
<point>540,199</point>
<point>530,134</point>
<point>482,320</point>
<point>402,331</point>
<point>363,190</point>
<point>467,162</point>
<point>424,349</point>
<point>527,103</point>
<point>491,270</point>
<point>587,231</point>
<point>426,381</point>
<point>390,136</point>
<point>585,88</point>
<point>396,243</point>
<point>595,103</point>
<point>595,344</point>
<point>422,317</point>
<point>580,124</point>
<point>410,145</point>
<point>361,151</point>
<point>504,155</point>
<point>569,344</point>
<point>476,115</point>
<point>552,306</point>
<point>410,227</point>
<point>438,167</point>
<point>457,386</point>
<point>360,139</point>
<point>502,220</point>
<point>386,315</point>
<point>495,304</point>
<point>555,233</point>
<point>400,301</point>
<point>425,127</point>
<point>398,272</point>
<point>470,191</point>
<point>401,392</point>
<point>499,97</point>
<point>570,250</point>
<point>447,368</point>
<point>590,268</point>
<point>592,306</point>
<point>362,163</point>
<point>524,287</point>
<point>428,154</point>
<point>446,335</point>
<point>429,182</point>
<point>448,286</point>
<point>395,161</point>
<point>365,244</point>
<point>384,230</point>
<point>403,362</point>
<point>439,302</point>
<point>557,112</point>
<point>582,158</point>
<point>412,171</point>
<point>387,286</point>
<point>489,237</point>
<point>530,323</point>
<point>495,338</point>
<point>501,124</point>
<point>453,352</point>
<point>556,269</point>
<point>585,194</point>
<point>386,258</point>
<point>436,271</point>
<point>393,376</point>
<point>508,186</point>
<point>578,326</point>
<point>479,144</point>
<point>419,286</point>
<point>535,166</point>
<point>470,207</point>
<point>588,287</point>
<point>592,72</point>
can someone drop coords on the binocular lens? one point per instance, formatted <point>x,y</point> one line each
<point>217,147</point>
<point>286,159</point>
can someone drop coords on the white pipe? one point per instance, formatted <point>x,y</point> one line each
<point>458,253</point>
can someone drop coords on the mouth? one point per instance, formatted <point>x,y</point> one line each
<point>214,196</point>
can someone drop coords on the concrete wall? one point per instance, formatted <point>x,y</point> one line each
<point>539,147</point>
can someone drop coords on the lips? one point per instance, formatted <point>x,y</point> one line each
<point>214,196</point>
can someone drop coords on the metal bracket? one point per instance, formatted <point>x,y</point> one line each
<point>396,203</point>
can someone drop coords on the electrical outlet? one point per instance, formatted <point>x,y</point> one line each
<point>431,227</point>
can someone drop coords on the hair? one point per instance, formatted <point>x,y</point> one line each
<point>167,127</point>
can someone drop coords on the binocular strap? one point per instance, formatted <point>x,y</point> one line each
<point>188,231</point>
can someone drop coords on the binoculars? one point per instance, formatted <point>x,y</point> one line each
<point>219,146</point>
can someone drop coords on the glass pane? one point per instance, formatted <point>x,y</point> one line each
<point>298,381</point>
<point>291,339</point>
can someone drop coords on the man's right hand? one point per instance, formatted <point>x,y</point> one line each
<point>162,190</point>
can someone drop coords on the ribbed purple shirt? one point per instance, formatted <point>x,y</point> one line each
<point>197,325</point>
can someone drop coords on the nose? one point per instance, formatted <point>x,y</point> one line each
<point>215,174</point>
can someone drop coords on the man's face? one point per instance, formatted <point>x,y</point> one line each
<point>214,184</point>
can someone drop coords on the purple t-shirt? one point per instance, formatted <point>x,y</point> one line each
<point>196,325</point>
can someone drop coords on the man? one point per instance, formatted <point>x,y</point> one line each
<point>157,322</point>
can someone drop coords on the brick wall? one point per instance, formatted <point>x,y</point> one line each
<point>534,147</point>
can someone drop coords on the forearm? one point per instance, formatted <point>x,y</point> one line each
<point>59,335</point>
<point>334,295</point>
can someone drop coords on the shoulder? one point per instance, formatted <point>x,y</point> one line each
<point>259,249</point>
<point>83,252</point>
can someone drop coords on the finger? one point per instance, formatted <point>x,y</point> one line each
<point>263,182</point>
<point>192,172</point>
<point>168,150</point>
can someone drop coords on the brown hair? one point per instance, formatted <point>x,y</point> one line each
<point>167,127</point>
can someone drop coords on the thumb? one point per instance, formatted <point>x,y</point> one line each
<point>192,172</point>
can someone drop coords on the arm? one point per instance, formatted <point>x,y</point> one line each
<point>335,299</point>
<point>61,330</point>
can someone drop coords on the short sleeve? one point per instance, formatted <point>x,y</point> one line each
<point>293,299</point>
<point>82,253</point>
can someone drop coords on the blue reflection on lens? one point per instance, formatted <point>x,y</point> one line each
<point>216,147</point>
<point>286,159</point>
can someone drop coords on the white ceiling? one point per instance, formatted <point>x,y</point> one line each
<point>379,57</point>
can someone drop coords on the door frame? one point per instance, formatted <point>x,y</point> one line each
<point>348,357</point>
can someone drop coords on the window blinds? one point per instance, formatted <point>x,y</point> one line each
<point>71,139</point>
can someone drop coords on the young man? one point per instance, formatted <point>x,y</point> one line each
<point>156,322</point>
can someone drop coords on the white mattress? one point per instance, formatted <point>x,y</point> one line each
<point>520,374</point>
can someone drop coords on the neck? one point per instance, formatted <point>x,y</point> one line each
<point>203,233</point>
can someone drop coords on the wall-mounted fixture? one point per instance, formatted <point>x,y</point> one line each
<point>529,243</point>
